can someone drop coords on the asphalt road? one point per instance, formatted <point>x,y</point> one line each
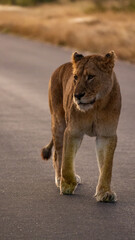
<point>30,205</point>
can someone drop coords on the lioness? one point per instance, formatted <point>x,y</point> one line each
<point>84,98</point>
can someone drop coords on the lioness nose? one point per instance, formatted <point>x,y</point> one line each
<point>79,95</point>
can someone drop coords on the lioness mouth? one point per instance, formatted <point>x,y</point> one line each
<point>91,102</point>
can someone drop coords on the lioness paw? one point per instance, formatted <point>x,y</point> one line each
<point>78,179</point>
<point>67,188</point>
<point>106,197</point>
<point>57,181</point>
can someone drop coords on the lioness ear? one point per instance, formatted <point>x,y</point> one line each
<point>76,57</point>
<point>109,59</point>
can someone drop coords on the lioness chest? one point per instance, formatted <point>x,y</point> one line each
<point>92,124</point>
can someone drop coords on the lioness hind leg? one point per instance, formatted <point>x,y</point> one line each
<point>105,150</point>
<point>58,131</point>
<point>57,158</point>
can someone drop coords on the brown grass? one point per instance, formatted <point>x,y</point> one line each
<point>59,24</point>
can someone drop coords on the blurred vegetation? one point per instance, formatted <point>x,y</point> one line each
<point>114,5</point>
<point>85,25</point>
<point>93,5</point>
<point>25,2</point>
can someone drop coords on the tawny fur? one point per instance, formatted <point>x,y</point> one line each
<point>84,98</point>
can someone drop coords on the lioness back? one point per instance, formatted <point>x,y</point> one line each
<point>57,85</point>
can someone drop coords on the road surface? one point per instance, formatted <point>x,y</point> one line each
<point>30,205</point>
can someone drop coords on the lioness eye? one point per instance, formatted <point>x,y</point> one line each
<point>90,77</point>
<point>75,77</point>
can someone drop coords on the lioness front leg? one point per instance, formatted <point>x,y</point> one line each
<point>69,180</point>
<point>105,147</point>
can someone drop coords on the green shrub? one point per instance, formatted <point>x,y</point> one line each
<point>104,5</point>
<point>98,5</point>
<point>25,2</point>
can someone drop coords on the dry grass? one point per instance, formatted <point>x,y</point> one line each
<point>69,24</point>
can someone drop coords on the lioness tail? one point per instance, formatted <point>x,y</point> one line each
<point>46,151</point>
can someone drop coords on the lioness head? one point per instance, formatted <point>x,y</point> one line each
<point>92,78</point>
